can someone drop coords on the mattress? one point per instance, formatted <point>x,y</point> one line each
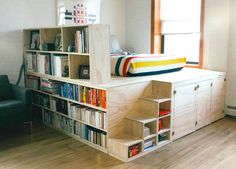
<point>145,64</point>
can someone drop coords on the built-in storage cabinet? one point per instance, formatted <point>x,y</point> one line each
<point>203,103</point>
<point>197,105</point>
<point>218,97</point>
<point>184,110</point>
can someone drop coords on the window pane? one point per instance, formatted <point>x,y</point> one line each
<point>168,27</point>
<point>180,9</point>
<point>186,45</point>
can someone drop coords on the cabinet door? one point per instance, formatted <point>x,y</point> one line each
<point>184,110</point>
<point>218,98</point>
<point>203,104</point>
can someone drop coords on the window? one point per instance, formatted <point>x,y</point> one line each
<point>178,29</point>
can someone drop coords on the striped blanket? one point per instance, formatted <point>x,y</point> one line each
<point>145,64</point>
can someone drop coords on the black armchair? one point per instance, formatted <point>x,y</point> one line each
<point>15,104</point>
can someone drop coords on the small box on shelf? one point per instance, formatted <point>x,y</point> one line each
<point>163,138</point>
<point>150,143</point>
<point>134,150</point>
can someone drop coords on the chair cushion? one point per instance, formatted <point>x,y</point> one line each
<point>6,91</point>
<point>11,107</point>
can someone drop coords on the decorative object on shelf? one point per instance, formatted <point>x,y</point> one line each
<point>133,150</point>
<point>78,12</point>
<point>48,46</point>
<point>163,137</point>
<point>58,42</point>
<point>34,40</point>
<point>71,48</point>
<point>146,131</point>
<point>84,72</point>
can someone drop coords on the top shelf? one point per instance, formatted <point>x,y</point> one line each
<point>154,98</point>
<point>57,52</point>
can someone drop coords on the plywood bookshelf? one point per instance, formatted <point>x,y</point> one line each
<point>96,55</point>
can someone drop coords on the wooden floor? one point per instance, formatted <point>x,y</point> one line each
<point>213,147</point>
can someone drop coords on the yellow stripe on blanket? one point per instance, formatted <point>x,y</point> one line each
<point>157,63</point>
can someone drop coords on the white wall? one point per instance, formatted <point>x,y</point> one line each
<point>138,30</point>
<point>113,13</point>
<point>14,16</point>
<point>231,79</point>
<point>216,34</point>
<point>138,25</point>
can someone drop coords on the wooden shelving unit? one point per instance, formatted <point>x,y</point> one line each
<point>140,115</point>
<point>148,128</point>
<point>95,56</point>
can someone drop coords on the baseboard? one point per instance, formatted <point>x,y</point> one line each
<point>230,110</point>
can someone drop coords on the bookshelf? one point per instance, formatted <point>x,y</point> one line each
<point>67,102</point>
<point>90,47</point>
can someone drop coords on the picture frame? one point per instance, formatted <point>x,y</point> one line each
<point>34,40</point>
<point>84,72</point>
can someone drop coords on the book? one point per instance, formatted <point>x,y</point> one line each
<point>61,66</point>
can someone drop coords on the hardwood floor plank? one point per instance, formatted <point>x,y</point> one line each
<point>212,147</point>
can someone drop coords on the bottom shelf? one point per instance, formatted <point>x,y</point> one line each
<point>75,130</point>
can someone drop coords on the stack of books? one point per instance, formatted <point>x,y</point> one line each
<point>50,86</point>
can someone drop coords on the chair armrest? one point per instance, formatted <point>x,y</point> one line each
<point>23,94</point>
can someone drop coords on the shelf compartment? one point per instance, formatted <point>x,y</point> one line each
<point>75,62</point>
<point>69,36</point>
<point>164,123</point>
<point>119,146</point>
<point>49,36</point>
<point>155,98</point>
<point>164,137</point>
<point>141,127</point>
<point>150,144</point>
<point>27,38</point>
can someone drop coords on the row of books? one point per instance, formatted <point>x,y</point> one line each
<point>31,62</point>
<point>59,105</point>
<point>92,96</point>
<point>82,41</point>
<point>73,127</point>
<point>56,65</point>
<point>41,99</point>
<point>32,82</point>
<point>88,115</point>
<point>43,64</point>
<point>95,136</point>
<point>70,91</point>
